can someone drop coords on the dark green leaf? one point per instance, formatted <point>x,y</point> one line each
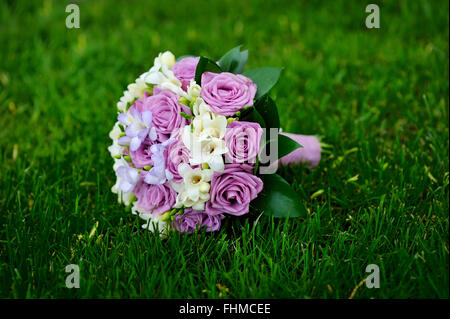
<point>265,78</point>
<point>234,60</point>
<point>278,198</point>
<point>242,62</point>
<point>205,65</point>
<point>254,116</point>
<point>230,60</point>
<point>269,112</point>
<point>184,56</point>
<point>285,145</point>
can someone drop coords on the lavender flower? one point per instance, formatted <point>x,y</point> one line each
<point>139,126</point>
<point>159,174</point>
<point>128,177</point>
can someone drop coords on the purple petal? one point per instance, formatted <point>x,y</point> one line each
<point>147,118</point>
<point>153,135</point>
<point>151,179</point>
<point>125,186</point>
<point>122,118</point>
<point>135,143</point>
<point>124,140</point>
<point>143,134</point>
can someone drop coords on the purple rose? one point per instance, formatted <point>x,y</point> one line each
<point>154,198</point>
<point>242,140</point>
<point>184,70</point>
<point>191,219</point>
<point>232,190</point>
<point>166,112</point>
<point>142,156</point>
<point>177,153</point>
<point>226,93</point>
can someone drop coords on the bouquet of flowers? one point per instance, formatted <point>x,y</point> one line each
<point>198,140</point>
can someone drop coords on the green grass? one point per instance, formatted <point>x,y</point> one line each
<point>380,97</point>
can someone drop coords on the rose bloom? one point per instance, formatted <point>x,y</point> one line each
<point>242,140</point>
<point>142,156</point>
<point>226,93</point>
<point>166,110</point>
<point>184,70</point>
<point>177,153</point>
<point>154,198</point>
<point>191,219</point>
<point>232,190</point>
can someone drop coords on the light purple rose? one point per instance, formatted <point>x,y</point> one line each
<point>184,70</point>
<point>191,219</point>
<point>226,93</point>
<point>177,153</point>
<point>232,190</point>
<point>166,110</point>
<point>154,198</point>
<point>143,156</point>
<point>310,153</point>
<point>242,140</point>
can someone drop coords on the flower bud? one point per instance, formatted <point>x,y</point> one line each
<point>165,217</point>
<point>231,119</point>
<point>127,158</point>
<point>168,59</point>
<point>184,101</point>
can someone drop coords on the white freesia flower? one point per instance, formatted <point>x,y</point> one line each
<point>209,151</point>
<point>115,149</point>
<point>166,58</point>
<point>205,140</point>
<point>194,190</point>
<point>124,100</point>
<point>161,75</point>
<point>153,221</point>
<point>137,89</point>
<point>201,109</point>
<point>206,123</point>
<point>193,90</point>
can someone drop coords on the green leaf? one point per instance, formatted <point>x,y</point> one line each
<point>234,60</point>
<point>285,144</point>
<point>242,62</point>
<point>269,112</point>
<point>230,59</point>
<point>265,78</point>
<point>185,56</point>
<point>278,198</point>
<point>205,65</point>
<point>254,116</point>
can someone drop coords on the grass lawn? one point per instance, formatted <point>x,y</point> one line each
<point>379,97</point>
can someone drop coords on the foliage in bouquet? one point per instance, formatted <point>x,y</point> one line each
<point>197,140</point>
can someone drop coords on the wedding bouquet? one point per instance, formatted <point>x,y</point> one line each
<point>198,140</point>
